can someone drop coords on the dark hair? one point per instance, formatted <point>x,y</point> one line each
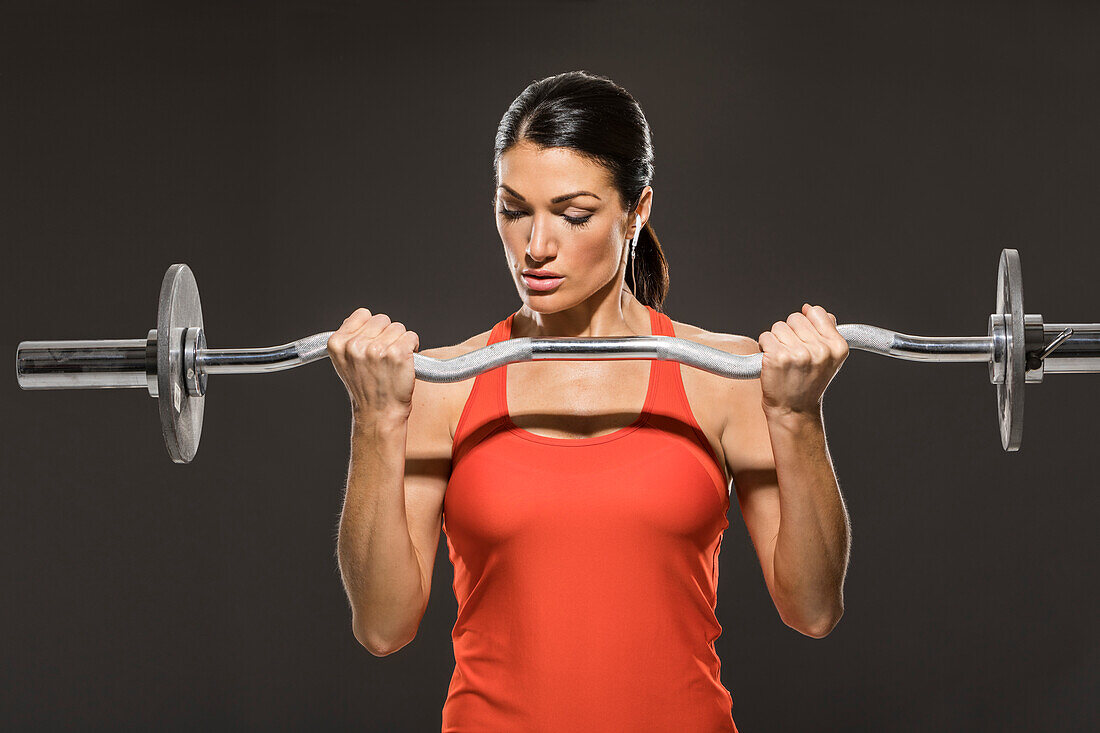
<point>599,119</point>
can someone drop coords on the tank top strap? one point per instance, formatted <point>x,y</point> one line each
<point>481,415</point>
<point>660,323</point>
<point>667,405</point>
<point>671,410</point>
<point>670,399</point>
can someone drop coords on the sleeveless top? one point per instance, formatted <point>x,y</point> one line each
<point>585,569</point>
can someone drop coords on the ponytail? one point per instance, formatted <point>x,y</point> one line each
<point>651,269</point>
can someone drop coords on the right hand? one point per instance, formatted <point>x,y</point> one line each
<point>374,358</point>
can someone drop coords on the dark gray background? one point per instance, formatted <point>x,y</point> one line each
<point>306,158</point>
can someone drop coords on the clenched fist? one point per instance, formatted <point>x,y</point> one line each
<point>801,357</point>
<point>374,358</point>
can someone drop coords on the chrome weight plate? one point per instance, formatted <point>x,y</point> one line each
<point>179,316</point>
<point>1008,363</point>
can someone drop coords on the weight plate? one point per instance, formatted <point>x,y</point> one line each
<point>1010,391</point>
<point>180,412</point>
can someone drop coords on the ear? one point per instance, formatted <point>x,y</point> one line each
<point>642,210</point>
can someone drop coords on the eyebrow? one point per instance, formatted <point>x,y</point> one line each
<point>556,199</point>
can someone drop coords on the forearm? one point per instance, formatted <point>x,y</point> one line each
<point>811,549</point>
<point>378,562</point>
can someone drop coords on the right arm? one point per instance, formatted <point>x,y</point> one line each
<point>397,474</point>
<point>382,572</point>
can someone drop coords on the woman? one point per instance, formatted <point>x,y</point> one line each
<point>584,530</point>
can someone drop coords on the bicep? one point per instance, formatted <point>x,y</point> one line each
<point>427,471</point>
<point>747,445</point>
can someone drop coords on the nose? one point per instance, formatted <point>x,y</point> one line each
<point>541,245</point>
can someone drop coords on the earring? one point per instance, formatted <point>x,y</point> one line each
<point>634,246</point>
<point>633,277</point>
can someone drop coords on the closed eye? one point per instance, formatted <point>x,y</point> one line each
<point>513,214</point>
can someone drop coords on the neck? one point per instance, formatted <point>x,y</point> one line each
<point>609,313</point>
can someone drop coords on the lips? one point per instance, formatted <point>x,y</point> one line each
<point>541,284</point>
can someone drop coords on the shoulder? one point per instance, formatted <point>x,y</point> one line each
<point>441,403</point>
<point>727,342</point>
<point>448,352</point>
<point>722,401</point>
<point>734,406</point>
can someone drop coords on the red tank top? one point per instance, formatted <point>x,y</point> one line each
<point>586,570</point>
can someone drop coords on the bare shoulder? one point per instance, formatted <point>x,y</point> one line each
<point>737,392</point>
<point>727,342</point>
<point>449,352</point>
<point>446,352</point>
<point>445,400</point>
<point>731,407</point>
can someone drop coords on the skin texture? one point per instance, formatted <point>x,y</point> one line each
<point>768,432</point>
<point>592,256</point>
<point>801,357</point>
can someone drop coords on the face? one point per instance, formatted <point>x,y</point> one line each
<point>558,211</point>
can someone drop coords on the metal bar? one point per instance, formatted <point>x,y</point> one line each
<point>122,363</point>
<point>101,364</point>
<point>1078,354</point>
<point>859,336</point>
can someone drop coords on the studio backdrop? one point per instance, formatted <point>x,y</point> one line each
<point>305,159</point>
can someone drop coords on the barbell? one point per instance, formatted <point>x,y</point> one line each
<point>173,361</point>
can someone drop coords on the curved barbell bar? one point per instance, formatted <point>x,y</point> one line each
<point>666,348</point>
<point>1017,348</point>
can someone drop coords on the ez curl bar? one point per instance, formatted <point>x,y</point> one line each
<point>173,361</point>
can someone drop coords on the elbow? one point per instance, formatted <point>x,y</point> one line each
<point>377,646</point>
<point>824,626</point>
<point>815,628</point>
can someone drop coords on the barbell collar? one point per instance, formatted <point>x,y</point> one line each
<point>1079,353</point>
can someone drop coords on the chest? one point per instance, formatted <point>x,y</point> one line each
<point>585,399</point>
<point>539,502</point>
<point>576,399</point>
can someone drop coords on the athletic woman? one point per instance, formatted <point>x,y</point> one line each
<point>584,502</point>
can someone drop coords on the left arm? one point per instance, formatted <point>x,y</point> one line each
<point>775,447</point>
<point>812,543</point>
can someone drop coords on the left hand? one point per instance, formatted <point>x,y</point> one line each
<point>801,357</point>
